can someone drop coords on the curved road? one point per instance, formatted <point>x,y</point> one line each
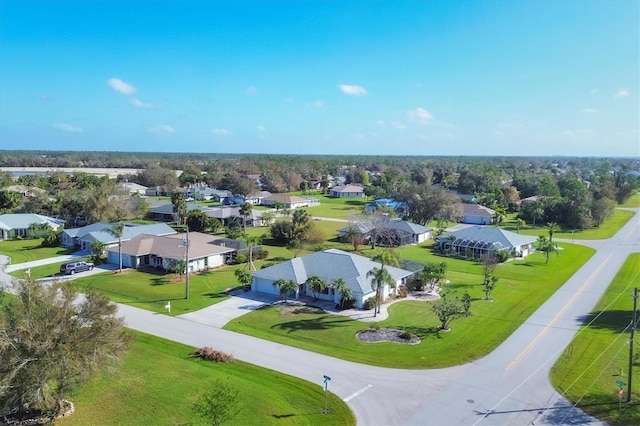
<point>509,386</point>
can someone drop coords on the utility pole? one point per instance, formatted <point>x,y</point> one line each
<point>633,328</point>
<point>186,255</point>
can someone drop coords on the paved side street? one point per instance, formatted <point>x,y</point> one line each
<point>509,386</point>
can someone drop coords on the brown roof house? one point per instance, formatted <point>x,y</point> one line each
<point>289,201</point>
<point>165,251</point>
<point>476,214</point>
<point>347,191</point>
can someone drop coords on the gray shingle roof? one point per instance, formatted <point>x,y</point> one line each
<point>330,265</point>
<point>491,234</point>
<point>11,221</point>
<point>129,232</point>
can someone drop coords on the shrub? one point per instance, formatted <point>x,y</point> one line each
<point>260,254</point>
<point>346,304</point>
<point>374,326</point>
<point>406,335</point>
<point>502,255</point>
<point>210,354</point>
<point>402,291</point>
<point>416,285</point>
<point>241,258</point>
<point>370,303</point>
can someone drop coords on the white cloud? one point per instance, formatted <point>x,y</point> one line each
<point>261,129</point>
<point>353,90</point>
<point>589,110</point>
<point>316,104</point>
<point>121,86</point>
<point>67,128</point>
<point>398,125</point>
<point>221,132</point>
<point>420,115</point>
<point>138,103</point>
<point>622,93</point>
<point>251,90</point>
<point>161,129</point>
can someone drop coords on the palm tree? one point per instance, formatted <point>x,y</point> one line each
<point>551,228</point>
<point>180,267</point>
<point>317,285</point>
<point>279,205</point>
<point>537,212</point>
<point>285,287</point>
<point>499,215</point>
<point>386,257</point>
<point>252,241</point>
<point>547,246</point>
<point>380,277</point>
<point>519,224</point>
<point>97,248</point>
<point>117,230</point>
<point>343,289</point>
<point>244,277</point>
<point>245,212</point>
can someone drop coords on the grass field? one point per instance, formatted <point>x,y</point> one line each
<point>609,227</point>
<point>340,208</point>
<point>517,295</point>
<point>50,270</point>
<point>157,382</point>
<point>633,201</point>
<point>589,368</point>
<point>21,251</point>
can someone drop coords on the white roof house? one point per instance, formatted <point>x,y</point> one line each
<point>329,265</point>
<point>85,236</point>
<point>394,232</point>
<point>17,224</point>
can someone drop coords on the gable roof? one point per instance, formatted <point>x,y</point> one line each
<point>11,221</point>
<point>130,231</point>
<point>347,188</point>
<point>491,234</point>
<point>172,246</point>
<point>350,267</point>
<point>285,198</point>
<point>476,210</point>
<point>400,225</point>
<point>228,212</point>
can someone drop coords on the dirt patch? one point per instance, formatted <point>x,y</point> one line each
<point>387,335</point>
<point>288,311</point>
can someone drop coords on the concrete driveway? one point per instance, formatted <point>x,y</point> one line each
<point>221,313</point>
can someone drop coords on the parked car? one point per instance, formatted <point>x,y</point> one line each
<point>73,267</point>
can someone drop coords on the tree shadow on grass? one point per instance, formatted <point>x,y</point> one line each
<point>424,332</point>
<point>159,281</point>
<point>215,295</point>
<point>607,320</point>
<point>326,322</point>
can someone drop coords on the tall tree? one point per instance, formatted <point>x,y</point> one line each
<point>379,277</point>
<point>179,207</point>
<point>551,228</point>
<point>547,246</point>
<point>433,275</point>
<point>198,221</point>
<point>447,309</point>
<point>117,231</point>
<point>252,241</point>
<point>245,211</point>
<point>50,342</point>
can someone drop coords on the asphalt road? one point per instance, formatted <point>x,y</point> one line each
<point>508,387</point>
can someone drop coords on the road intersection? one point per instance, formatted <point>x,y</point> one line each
<point>510,386</point>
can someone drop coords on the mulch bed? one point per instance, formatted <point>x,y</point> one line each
<point>386,335</point>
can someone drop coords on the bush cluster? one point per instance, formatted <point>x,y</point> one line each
<point>402,292</point>
<point>370,303</point>
<point>210,354</point>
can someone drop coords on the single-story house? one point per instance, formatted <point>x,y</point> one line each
<point>228,214</point>
<point>257,197</point>
<point>290,201</point>
<point>328,265</point>
<point>475,214</point>
<point>132,188</point>
<point>391,232</point>
<point>14,225</point>
<point>475,241</point>
<point>165,251</point>
<point>347,191</point>
<point>85,236</point>
<point>164,212</point>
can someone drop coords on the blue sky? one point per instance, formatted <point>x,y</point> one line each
<point>322,77</point>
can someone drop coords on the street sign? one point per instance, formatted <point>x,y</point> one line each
<point>620,383</point>
<point>326,379</point>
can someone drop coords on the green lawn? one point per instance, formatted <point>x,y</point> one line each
<point>157,382</point>
<point>633,201</point>
<point>341,208</point>
<point>524,285</point>
<point>50,270</point>
<point>589,368</point>
<point>21,251</point>
<point>609,227</point>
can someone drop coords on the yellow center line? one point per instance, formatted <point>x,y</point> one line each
<point>556,318</point>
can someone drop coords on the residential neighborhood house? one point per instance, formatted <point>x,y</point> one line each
<point>164,252</point>
<point>475,241</point>
<point>475,214</point>
<point>290,202</point>
<point>84,237</point>
<point>13,225</point>
<point>347,191</point>
<point>328,265</point>
<point>389,233</point>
